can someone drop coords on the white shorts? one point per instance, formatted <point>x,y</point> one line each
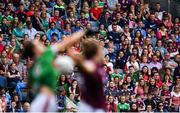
<point>43,103</point>
<point>84,107</point>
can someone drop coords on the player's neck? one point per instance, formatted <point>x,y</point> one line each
<point>46,90</point>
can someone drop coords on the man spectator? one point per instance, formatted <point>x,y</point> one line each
<point>140,28</point>
<point>155,63</point>
<point>95,12</point>
<point>30,30</point>
<point>53,30</point>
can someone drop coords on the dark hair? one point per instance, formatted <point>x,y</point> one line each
<point>89,48</point>
<point>28,50</point>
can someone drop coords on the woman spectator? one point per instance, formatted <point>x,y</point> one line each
<point>63,82</point>
<point>175,98</point>
<point>74,88</point>
<point>141,88</point>
<point>152,85</point>
<point>18,106</point>
<point>158,79</point>
<point>44,21</point>
<point>112,103</point>
<point>159,56</point>
<point>43,38</point>
<point>135,51</point>
<point>67,30</point>
<point>134,107</point>
<point>162,33</point>
<point>19,31</point>
<point>130,84</point>
<point>161,108</point>
<point>145,73</point>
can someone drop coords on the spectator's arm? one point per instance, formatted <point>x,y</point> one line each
<point>92,16</point>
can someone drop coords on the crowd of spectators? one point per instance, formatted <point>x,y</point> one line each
<point>140,47</point>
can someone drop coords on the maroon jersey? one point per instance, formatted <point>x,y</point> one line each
<point>92,88</point>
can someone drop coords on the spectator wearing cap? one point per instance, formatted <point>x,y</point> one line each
<point>53,30</point>
<point>30,30</point>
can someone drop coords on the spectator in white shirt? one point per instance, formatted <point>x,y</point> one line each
<point>132,62</point>
<point>155,63</point>
<point>30,30</point>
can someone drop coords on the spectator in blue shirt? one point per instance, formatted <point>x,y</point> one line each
<point>53,30</point>
<point>140,28</point>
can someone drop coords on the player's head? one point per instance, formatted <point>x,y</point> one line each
<point>28,50</point>
<point>91,49</point>
<point>32,49</point>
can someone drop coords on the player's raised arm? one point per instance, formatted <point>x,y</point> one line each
<point>72,39</point>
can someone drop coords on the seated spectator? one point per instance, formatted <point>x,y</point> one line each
<point>13,76</point>
<point>134,107</point>
<point>21,14</point>
<point>95,12</point>
<point>155,63</point>
<point>141,88</point>
<point>122,105</point>
<point>160,108</point>
<point>175,98</point>
<point>132,62</point>
<point>53,30</point>
<point>19,31</point>
<point>150,101</point>
<point>162,33</point>
<point>30,30</point>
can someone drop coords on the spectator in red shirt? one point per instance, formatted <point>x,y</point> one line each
<point>95,12</point>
